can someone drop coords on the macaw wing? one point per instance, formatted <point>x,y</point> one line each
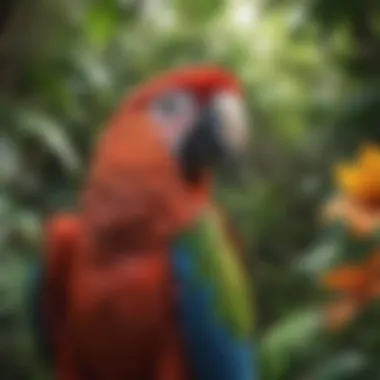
<point>232,235</point>
<point>37,318</point>
<point>46,284</point>
<point>214,303</point>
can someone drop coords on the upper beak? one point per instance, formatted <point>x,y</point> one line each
<point>220,132</point>
<point>233,125</point>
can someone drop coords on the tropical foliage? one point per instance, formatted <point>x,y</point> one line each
<point>311,70</point>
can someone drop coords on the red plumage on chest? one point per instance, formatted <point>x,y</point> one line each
<point>111,276</point>
<point>120,310</point>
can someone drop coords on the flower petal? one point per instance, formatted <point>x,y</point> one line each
<point>340,313</point>
<point>348,279</point>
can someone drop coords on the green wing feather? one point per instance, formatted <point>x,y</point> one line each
<point>217,263</point>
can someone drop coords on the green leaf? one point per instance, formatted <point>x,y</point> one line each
<point>27,224</point>
<point>102,22</point>
<point>346,366</point>
<point>335,247</point>
<point>330,14</point>
<point>277,3</point>
<point>10,159</point>
<point>198,11</point>
<point>326,253</point>
<point>94,72</point>
<point>288,339</point>
<point>54,86</point>
<point>51,135</point>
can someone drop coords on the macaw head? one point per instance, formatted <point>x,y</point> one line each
<point>159,150</point>
<point>198,114</point>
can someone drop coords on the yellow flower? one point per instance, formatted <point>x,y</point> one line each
<point>360,181</point>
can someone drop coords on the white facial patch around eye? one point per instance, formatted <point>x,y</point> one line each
<point>233,120</point>
<point>175,114</point>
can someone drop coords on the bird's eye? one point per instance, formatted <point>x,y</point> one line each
<point>169,105</point>
<point>174,114</point>
<point>175,105</point>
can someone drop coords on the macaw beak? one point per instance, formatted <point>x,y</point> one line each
<point>220,132</point>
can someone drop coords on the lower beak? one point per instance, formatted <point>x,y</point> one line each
<point>202,148</point>
<point>219,134</point>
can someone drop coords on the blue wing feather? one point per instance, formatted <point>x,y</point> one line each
<point>35,312</point>
<point>215,353</point>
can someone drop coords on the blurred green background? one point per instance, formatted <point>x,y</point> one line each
<point>311,70</point>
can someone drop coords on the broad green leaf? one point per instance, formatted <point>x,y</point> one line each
<point>198,11</point>
<point>288,338</point>
<point>55,88</point>
<point>10,160</point>
<point>325,255</point>
<point>51,135</point>
<point>101,22</point>
<point>95,72</point>
<point>336,246</point>
<point>27,224</point>
<point>345,366</point>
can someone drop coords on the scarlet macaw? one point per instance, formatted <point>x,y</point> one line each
<point>143,282</point>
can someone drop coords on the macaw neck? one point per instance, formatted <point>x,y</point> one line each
<point>201,191</point>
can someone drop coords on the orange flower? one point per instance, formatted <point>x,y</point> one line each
<point>360,181</point>
<point>350,280</point>
<point>358,284</point>
<point>360,220</point>
<point>356,281</point>
<point>358,200</point>
<point>339,313</point>
<point>358,206</point>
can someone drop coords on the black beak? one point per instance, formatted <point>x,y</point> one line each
<point>202,148</point>
<point>219,134</point>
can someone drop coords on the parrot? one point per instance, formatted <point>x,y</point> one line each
<point>143,281</point>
